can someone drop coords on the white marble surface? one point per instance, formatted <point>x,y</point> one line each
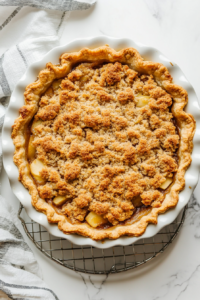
<point>172,26</point>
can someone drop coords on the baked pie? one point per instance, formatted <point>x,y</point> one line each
<point>103,142</point>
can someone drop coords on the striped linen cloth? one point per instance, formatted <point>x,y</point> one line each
<point>20,276</point>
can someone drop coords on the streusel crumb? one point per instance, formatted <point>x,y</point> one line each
<point>101,147</point>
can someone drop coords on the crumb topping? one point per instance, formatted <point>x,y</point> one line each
<point>101,148</point>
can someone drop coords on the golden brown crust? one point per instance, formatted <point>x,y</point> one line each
<point>160,100</point>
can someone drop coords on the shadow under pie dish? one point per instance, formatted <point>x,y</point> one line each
<point>103,142</point>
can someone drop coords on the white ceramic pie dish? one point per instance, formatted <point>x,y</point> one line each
<point>17,100</point>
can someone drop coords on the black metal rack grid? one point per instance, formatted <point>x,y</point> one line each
<point>91,260</point>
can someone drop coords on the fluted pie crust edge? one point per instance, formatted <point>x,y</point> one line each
<point>132,58</point>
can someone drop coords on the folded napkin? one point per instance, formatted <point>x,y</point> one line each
<point>20,276</point>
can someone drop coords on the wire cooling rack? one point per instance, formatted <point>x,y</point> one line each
<point>91,260</point>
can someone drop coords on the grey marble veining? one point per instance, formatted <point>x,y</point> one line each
<point>94,290</point>
<point>159,8</point>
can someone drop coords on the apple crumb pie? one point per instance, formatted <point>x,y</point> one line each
<point>103,142</point>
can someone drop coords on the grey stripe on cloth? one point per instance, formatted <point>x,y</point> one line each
<point>7,21</point>
<point>61,21</point>
<point>5,246</point>
<point>65,5</point>
<point>10,227</point>
<point>3,80</point>
<point>22,55</point>
<point>17,286</point>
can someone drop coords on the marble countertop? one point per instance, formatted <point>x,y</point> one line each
<point>172,26</point>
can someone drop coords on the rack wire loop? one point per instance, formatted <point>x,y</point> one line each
<point>91,260</point>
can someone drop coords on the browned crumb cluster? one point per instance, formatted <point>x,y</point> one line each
<point>100,149</point>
